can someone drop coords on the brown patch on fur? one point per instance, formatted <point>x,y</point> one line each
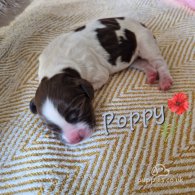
<point>123,46</point>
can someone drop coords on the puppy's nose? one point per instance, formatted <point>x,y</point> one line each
<point>79,136</point>
<point>76,140</point>
<point>83,133</point>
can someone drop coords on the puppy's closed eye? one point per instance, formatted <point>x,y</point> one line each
<point>72,116</point>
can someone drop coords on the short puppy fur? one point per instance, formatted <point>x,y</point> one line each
<point>75,64</point>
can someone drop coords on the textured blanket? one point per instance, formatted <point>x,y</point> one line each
<point>154,158</point>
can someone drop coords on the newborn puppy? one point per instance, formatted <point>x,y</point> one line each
<point>75,64</point>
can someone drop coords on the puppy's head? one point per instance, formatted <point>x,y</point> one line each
<point>64,102</point>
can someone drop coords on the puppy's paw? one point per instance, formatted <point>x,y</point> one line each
<point>165,83</point>
<point>152,76</point>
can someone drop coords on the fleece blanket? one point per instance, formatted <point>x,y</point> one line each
<point>142,144</point>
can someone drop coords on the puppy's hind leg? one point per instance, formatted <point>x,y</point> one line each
<point>148,69</point>
<point>149,51</point>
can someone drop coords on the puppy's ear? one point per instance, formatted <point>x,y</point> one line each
<point>32,106</point>
<point>87,88</point>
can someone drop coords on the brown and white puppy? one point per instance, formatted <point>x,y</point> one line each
<point>75,64</point>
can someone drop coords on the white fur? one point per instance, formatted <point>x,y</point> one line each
<point>51,114</point>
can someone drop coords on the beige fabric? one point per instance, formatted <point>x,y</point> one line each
<point>33,161</point>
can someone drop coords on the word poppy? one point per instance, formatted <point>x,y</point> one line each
<point>178,103</point>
